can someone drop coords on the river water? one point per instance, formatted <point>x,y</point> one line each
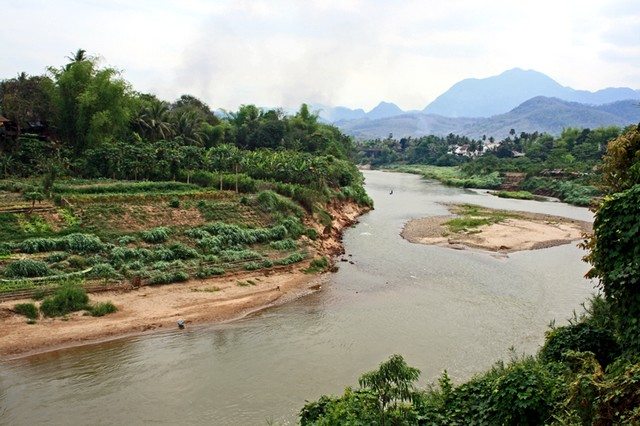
<point>439,308</point>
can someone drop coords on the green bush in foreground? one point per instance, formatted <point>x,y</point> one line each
<point>27,268</point>
<point>69,298</point>
<point>29,310</point>
<point>102,309</point>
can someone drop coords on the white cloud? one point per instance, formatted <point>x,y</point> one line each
<point>337,52</point>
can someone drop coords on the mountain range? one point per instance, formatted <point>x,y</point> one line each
<point>541,114</point>
<point>524,100</point>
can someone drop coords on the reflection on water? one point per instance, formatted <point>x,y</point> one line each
<point>440,308</point>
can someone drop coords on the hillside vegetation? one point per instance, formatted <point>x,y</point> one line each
<point>104,185</point>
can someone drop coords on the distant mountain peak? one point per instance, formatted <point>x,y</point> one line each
<point>384,109</point>
<point>498,94</point>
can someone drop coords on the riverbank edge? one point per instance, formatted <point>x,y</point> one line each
<point>204,302</point>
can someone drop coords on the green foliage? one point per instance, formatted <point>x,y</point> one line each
<point>174,203</point>
<point>518,195</point>
<point>69,298</point>
<point>270,202</point>
<point>209,271</point>
<point>318,265</point>
<point>156,235</point>
<point>159,278</point>
<point>621,164</point>
<point>102,309</point>
<point>26,268</point>
<point>568,191</point>
<point>385,396</point>
<point>615,257</point>
<point>29,310</point>
<point>78,243</point>
<point>104,270</point>
<point>581,337</point>
<point>291,259</point>
<point>286,244</point>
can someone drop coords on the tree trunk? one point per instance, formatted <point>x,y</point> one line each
<point>236,178</point>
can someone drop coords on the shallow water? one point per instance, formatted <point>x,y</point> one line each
<point>440,308</point>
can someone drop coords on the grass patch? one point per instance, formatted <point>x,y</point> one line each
<point>319,264</point>
<point>518,195</point>
<point>67,299</point>
<point>29,310</point>
<point>102,309</point>
<point>472,217</point>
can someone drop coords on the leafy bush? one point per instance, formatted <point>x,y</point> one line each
<point>27,268</point>
<point>252,266</point>
<point>29,310</point>
<point>269,201</point>
<point>581,337</point>
<point>82,243</point>
<point>156,235</point>
<point>209,271</point>
<point>104,270</point>
<point>126,239</point>
<point>57,257</point>
<point>286,244</point>
<point>78,243</point>
<point>102,309</point>
<point>69,298</point>
<point>159,278</point>
<point>174,203</point>
<point>292,258</point>
<point>121,254</point>
<point>238,255</point>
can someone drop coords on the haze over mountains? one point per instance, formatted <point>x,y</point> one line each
<point>525,100</point>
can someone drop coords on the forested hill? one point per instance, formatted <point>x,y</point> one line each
<point>542,114</point>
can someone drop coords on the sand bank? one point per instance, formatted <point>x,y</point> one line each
<point>519,231</point>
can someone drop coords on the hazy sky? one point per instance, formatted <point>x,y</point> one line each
<point>334,52</point>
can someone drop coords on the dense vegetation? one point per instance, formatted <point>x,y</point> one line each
<point>567,167</point>
<point>109,184</point>
<point>586,373</point>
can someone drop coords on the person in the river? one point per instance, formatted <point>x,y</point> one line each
<point>391,193</point>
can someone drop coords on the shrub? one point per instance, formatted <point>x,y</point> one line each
<point>581,337</point>
<point>102,309</point>
<point>311,233</point>
<point>29,310</point>
<point>126,239</point>
<point>292,258</point>
<point>206,272</point>
<point>156,235</point>
<point>286,244</point>
<point>57,257</point>
<point>77,261</point>
<point>168,277</point>
<point>125,253</point>
<point>69,298</point>
<point>27,268</point>
<point>174,203</point>
<point>81,243</point>
<point>238,255</point>
<point>104,270</point>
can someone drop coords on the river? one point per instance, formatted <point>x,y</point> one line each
<point>439,308</point>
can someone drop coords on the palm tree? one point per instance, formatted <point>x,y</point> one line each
<point>79,56</point>
<point>154,121</point>
<point>187,126</point>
